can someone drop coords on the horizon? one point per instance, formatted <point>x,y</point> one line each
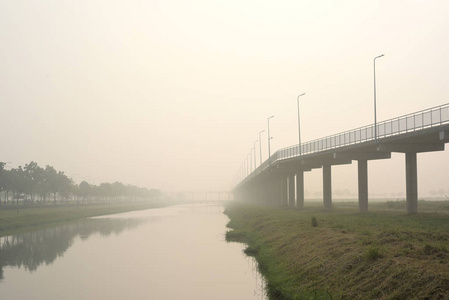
<point>173,95</point>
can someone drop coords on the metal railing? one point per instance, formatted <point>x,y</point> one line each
<point>430,117</point>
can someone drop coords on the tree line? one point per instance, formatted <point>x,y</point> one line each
<point>33,184</point>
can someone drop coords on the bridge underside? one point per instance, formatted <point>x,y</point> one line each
<point>276,184</point>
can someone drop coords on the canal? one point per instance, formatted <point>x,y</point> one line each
<point>176,252</point>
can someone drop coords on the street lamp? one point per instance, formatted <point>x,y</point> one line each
<point>299,127</point>
<point>375,114</point>
<point>255,154</point>
<point>260,147</point>
<point>269,138</point>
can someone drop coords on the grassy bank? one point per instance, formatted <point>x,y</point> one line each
<point>344,254</point>
<point>25,218</point>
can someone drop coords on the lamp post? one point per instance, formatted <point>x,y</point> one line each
<point>299,126</point>
<point>245,169</point>
<point>269,138</point>
<point>251,159</point>
<point>375,113</point>
<point>255,154</point>
<point>260,147</point>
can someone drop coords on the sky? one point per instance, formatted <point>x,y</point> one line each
<point>173,94</point>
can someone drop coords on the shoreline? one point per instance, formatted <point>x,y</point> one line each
<point>345,255</point>
<point>13,220</point>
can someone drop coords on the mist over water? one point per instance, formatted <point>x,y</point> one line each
<point>123,101</point>
<point>169,253</point>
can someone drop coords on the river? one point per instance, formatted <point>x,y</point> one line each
<point>176,252</point>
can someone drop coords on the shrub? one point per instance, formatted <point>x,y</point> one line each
<point>373,253</point>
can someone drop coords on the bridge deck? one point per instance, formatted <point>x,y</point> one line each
<point>423,131</point>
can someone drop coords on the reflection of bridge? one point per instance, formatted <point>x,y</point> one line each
<point>280,179</point>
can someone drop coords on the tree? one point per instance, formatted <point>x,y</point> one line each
<point>18,183</point>
<point>64,185</point>
<point>2,179</point>
<point>34,179</point>
<point>85,190</point>
<point>52,183</point>
<point>105,190</point>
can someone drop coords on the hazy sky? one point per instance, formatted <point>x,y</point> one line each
<point>172,94</point>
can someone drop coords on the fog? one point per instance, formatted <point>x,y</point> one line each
<point>172,94</point>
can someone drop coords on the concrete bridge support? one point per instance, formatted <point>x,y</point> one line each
<point>300,190</point>
<point>263,192</point>
<point>273,191</point>
<point>278,197</point>
<point>362,166</point>
<point>291,190</point>
<point>411,183</point>
<point>251,193</point>
<point>326,164</point>
<point>327,187</point>
<point>284,188</point>
<point>411,169</point>
<point>266,190</point>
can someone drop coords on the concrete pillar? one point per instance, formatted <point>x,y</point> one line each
<point>272,185</point>
<point>256,193</point>
<point>411,182</point>
<point>268,192</point>
<point>272,191</point>
<point>327,187</point>
<point>363,185</point>
<point>278,198</point>
<point>285,191</point>
<point>265,192</point>
<point>300,189</point>
<point>291,190</point>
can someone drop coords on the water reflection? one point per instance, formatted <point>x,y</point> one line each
<point>259,282</point>
<point>175,252</point>
<point>33,249</point>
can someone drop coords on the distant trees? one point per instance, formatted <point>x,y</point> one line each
<point>2,179</point>
<point>33,184</point>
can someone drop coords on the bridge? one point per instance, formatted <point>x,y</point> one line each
<point>274,181</point>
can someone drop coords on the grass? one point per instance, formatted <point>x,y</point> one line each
<point>381,254</point>
<point>12,220</point>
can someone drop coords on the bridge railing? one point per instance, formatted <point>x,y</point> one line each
<point>430,117</point>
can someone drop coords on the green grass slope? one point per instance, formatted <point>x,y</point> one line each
<point>344,254</point>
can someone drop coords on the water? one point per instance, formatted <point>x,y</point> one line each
<point>169,253</point>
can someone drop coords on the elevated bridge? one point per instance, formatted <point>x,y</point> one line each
<point>274,181</point>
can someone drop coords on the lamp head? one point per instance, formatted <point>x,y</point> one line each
<point>379,56</point>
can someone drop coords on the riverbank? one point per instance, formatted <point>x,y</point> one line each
<point>12,220</point>
<point>344,254</point>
